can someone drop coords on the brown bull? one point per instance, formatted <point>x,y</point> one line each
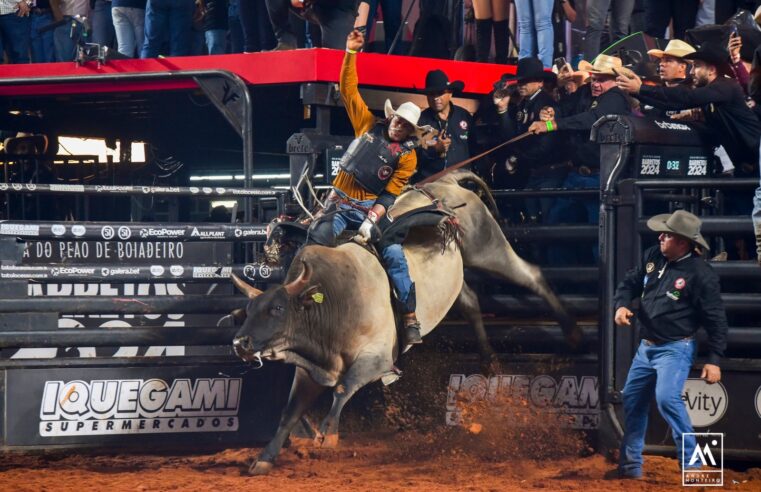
<point>333,318</point>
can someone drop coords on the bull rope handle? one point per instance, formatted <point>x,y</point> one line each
<point>460,164</point>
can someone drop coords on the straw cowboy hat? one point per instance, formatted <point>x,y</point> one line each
<point>410,112</point>
<point>437,81</point>
<point>605,65</point>
<point>579,76</point>
<point>675,48</point>
<point>681,223</point>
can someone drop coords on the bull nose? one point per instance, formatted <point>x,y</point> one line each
<point>242,345</point>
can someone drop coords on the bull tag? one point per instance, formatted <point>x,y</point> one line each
<point>318,297</point>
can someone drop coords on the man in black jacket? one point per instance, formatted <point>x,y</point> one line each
<point>453,124</point>
<point>678,293</point>
<point>728,120</point>
<point>538,158</point>
<point>606,99</point>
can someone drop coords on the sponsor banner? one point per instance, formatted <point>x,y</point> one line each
<point>136,190</point>
<point>211,272</point>
<point>195,233</point>
<point>153,405</point>
<point>119,269</point>
<point>706,403</point>
<point>109,251</point>
<point>135,231</point>
<point>574,397</point>
<point>17,229</point>
<point>251,232</point>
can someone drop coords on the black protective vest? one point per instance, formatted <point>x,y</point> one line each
<point>372,159</point>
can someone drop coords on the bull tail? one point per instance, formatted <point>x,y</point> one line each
<point>483,189</point>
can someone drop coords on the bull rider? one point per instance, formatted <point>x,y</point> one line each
<point>373,171</point>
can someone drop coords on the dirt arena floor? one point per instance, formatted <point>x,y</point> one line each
<point>394,439</point>
<point>372,462</point>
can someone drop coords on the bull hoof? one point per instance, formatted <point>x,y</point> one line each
<point>300,442</point>
<point>318,440</point>
<point>258,468</point>
<point>330,441</point>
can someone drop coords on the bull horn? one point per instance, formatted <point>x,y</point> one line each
<point>297,286</point>
<point>247,290</point>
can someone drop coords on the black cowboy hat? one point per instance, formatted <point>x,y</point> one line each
<point>712,55</point>
<point>531,68</point>
<point>437,81</point>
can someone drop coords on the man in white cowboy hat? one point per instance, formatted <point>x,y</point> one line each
<point>607,99</point>
<point>373,171</point>
<point>728,120</point>
<point>678,292</point>
<point>453,124</point>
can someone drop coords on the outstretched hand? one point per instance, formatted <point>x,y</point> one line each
<point>355,40</point>
<point>623,315</point>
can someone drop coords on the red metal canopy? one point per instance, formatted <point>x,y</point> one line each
<point>283,67</point>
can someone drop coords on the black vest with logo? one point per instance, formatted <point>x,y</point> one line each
<point>372,158</point>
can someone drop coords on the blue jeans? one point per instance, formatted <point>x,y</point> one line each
<point>129,24</point>
<point>65,47</point>
<point>660,371</point>
<point>393,255</point>
<point>168,20</point>
<point>392,19</point>
<point>14,36</point>
<point>597,11</point>
<point>574,210</point>
<point>102,23</point>
<point>540,207</point>
<point>216,41</point>
<point>43,48</point>
<point>535,35</point>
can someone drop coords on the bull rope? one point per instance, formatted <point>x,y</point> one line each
<point>460,164</point>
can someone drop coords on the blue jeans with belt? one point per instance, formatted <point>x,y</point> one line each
<point>393,255</point>
<point>657,371</point>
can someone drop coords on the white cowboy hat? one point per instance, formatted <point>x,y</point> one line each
<point>605,65</point>
<point>675,48</point>
<point>410,112</point>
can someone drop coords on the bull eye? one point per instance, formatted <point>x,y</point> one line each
<point>276,310</point>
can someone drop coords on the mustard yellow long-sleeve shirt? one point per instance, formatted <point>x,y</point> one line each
<point>363,120</point>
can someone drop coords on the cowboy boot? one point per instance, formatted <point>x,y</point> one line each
<point>501,41</point>
<point>411,324</point>
<point>483,39</point>
<point>412,329</point>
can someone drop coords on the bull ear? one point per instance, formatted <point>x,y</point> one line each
<point>245,288</point>
<point>312,296</point>
<point>297,286</point>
